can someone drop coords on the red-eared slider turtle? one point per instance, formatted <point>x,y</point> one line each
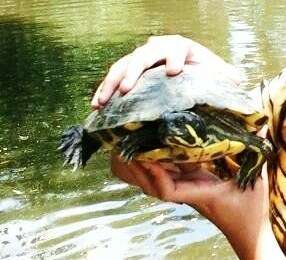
<point>274,99</point>
<point>195,116</point>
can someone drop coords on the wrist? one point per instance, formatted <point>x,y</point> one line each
<point>260,245</point>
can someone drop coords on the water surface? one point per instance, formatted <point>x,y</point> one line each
<point>52,54</point>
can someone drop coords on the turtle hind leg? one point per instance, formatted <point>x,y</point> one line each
<point>77,146</point>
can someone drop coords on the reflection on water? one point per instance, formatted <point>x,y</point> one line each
<point>51,53</point>
<point>138,226</point>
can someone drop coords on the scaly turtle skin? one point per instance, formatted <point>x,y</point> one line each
<point>274,99</point>
<point>195,116</point>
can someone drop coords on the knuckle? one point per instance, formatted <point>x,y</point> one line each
<point>123,62</point>
<point>112,69</point>
<point>109,81</point>
<point>124,58</point>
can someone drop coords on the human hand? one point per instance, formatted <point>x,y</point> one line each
<point>173,50</point>
<point>243,216</point>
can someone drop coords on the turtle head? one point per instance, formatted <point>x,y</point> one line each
<point>182,129</point>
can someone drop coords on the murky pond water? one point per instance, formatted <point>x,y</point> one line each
<point>51,55</point>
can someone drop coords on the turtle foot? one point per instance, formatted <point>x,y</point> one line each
<point>128,147</point>
<point>249,180</point>
<point>77,146</point>
<point>71,146</point>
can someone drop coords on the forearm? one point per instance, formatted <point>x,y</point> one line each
<point>261,246</point>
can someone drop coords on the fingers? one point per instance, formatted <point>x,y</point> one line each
<point>169,189</point>
<point>110,83</point>
<point>142,178</point>
<point>94,102</point>
<point>170,167</point>
<point>163,182</point>
<point>189,167</point>
<point>159,182</point>
<point>176,60</point>
<point>172,49</point>
<point>121,170</point>
<point>133,173</point>
<point>141,59</point>
<point>196,187</point>
<point>213,63</point>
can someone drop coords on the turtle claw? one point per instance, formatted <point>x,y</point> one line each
<point>71,146</point>
<point>242,182</point>
<point>250,179</point>
<point>74,157</point>
<point>126,156</point>
<point>77,146</point>
<point>128,148</point>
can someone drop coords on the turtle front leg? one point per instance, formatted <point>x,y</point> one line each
<point>141,140</point>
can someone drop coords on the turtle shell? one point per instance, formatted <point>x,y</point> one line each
<point>156,93</point>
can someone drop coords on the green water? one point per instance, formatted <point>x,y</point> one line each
<point>52,54</point>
